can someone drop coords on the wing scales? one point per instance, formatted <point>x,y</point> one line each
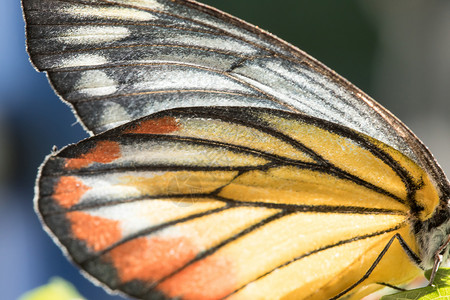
<point>118,199</point>
<point>255,177</point>
<point>66,35</point>
<point>325,278</point>
<point>312,187</point>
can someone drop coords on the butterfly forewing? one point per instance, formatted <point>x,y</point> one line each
<point>116,61</point>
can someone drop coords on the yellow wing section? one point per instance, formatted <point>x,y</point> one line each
<point>236,203</point>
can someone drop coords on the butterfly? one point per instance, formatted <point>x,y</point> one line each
<point>225,163</point>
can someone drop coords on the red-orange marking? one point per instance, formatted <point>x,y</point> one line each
<point>97,232</point>
<point>68,191</point>
<point>151,259</point>
<point>208,279</point>
<point>104,152</point>
<point>156,126</point>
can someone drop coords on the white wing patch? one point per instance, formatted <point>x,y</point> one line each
<point>81,60</point>
<point>108,12</point>
<point>151,4</point>
<point>115,114</point>
<point>180,79</point>
<point>139,215</point>
<point>93,35</point>
<point>96,83</point>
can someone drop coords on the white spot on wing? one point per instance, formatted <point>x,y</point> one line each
<point>82,60</point>
<point>151,4</point>
<point>94,34</point>
<point>187,79</point>
<point>109,13</point>
<point>95,83</point>
<point>114,113</point>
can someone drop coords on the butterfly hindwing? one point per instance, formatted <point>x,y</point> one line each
<point>207,203</point>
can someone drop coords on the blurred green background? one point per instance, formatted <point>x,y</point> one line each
<point>396,51</point>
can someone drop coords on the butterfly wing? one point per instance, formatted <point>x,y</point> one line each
<point>235,203</point>
<point>115,61</point>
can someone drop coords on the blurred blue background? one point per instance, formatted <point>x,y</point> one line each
<point>396,51</point>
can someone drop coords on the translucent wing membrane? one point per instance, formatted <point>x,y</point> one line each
<point>233,203</point>
<point>115,61</point>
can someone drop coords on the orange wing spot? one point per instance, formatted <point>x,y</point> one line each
<point>151,259</point>
<point>211,278</point>
<point>156,126</point>
<point>68,191</point>
<point>97,232</point>
<point>104,152</point>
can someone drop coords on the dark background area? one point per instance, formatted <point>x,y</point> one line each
<point>396,51</point>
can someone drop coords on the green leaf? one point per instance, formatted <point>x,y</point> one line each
<point>440,290</point>
<point>56,289</point>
